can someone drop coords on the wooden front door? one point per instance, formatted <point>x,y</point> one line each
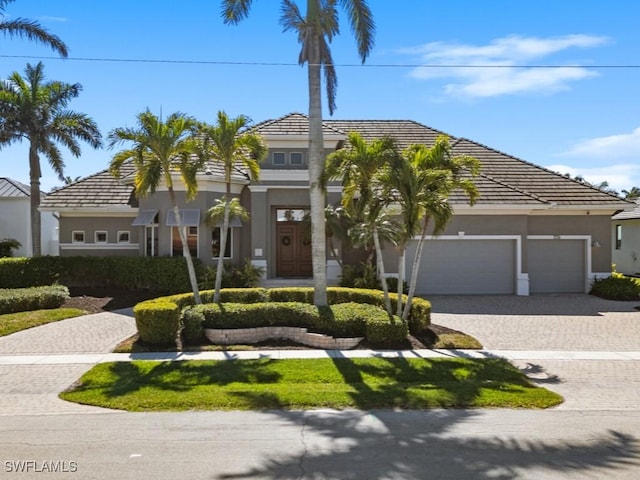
<point>293,252</point>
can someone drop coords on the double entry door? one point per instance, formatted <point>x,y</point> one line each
<point>293,252</point>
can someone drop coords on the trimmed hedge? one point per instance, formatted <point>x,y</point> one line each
<point>157,321</point>
<point>36,298</point>
<point>237,311</point>
<point>164,274</point>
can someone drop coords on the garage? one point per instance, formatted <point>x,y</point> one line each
<point>556,265</point>
<point>465,266</point>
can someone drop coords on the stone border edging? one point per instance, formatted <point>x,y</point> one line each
<point>297,334</point>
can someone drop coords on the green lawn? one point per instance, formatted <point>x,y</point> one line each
<point>302,384</point>
<point>14,322</point>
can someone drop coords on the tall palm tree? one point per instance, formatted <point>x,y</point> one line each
<point>159,150</point>
<point>315,31</point>
<point>423,186</point>
<point>34,110</point>
<point>31,30</point>
<point>228,143</point>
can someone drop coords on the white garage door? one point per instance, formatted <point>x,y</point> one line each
<point>465,267</point>
<point>556,266</point>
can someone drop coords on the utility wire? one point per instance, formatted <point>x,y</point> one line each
<point>286,64</point>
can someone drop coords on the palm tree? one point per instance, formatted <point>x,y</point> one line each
<point>31,30</point>
<point>315,31</point>
<point>432,173</point>
<point>227,144</point>
<point>359,168</point>
<point>632,194</point>
<point>159,150</point>
<point>34,110</point>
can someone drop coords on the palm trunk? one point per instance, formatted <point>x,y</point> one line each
<point>185,249</point>
<point>414,271</point>
<point>223,244</point>
<point>316,167</point>
<point>34,178</point>
<point>401,258</point>
<point>381,274</point>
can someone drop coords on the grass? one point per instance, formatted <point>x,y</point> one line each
<point>366,383</point>
<point>15,322</point>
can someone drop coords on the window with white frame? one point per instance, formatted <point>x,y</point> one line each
<point>77,236</point>
<point>215,243</point>
<point>192,241</point>
<point>100,236</point>
<point>295,158</point>
<point>124,236</point>
<point>618,237</point>
<point>279,158</point>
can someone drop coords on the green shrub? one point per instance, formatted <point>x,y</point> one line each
<point>291,294</point>
<point>35,298</point>
<point>616,287</point>
<point>7,246</point>
<point>343,320</point>
<point>246,275</point>
<point>157,321</point>
<point>382,330</point>
<point>350,311</point>
<point>164,274</point>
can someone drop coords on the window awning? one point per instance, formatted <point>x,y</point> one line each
<point>234,222</point>
<point>145,217</point>
<point>188,218</point>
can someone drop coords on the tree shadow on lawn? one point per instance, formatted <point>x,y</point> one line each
<point>182,376</point>
<point>414,445</point>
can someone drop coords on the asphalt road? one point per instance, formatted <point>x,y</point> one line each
<point>438,444</point>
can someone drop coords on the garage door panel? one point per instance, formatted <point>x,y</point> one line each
<point>556,266</point>
<point>465,267</point>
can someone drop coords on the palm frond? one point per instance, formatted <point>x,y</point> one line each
<point>31,30</point>
<point>233,11</point>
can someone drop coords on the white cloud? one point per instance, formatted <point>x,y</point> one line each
<point>621,146</point>
<point>619,176</point>
<point>500,67</point>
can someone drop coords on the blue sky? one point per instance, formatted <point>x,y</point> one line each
<point>579,117</point>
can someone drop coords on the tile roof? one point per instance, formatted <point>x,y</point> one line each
<point>13,189</point>
<point>103,190</point>
<point>546,186</point>
<point>504,179</point>
<point>95,191</point>
<point>628,215</point>
<point>291,124</point>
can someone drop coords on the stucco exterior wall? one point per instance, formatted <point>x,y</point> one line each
<point>597,226</point>
<point>627,258</point>
<point>15,222</point>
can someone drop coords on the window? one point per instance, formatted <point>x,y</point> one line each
<point>618,237</point>
<point>77,236</point>
<point>292,214</point>
<point>100,236</point>
<point>123,236</point>
<point>279,158</point>
<point>192,241</point>
<point>296,158</point>
<point>151,241</point>
<point>215,243</point>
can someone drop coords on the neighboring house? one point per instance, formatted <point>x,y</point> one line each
<point>626,241</point>
<point>15,219</point>
<point>531,231</point>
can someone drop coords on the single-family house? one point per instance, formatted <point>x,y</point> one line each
<point>15,219</point>
<point>626,241</point>
<point>531,230</point>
